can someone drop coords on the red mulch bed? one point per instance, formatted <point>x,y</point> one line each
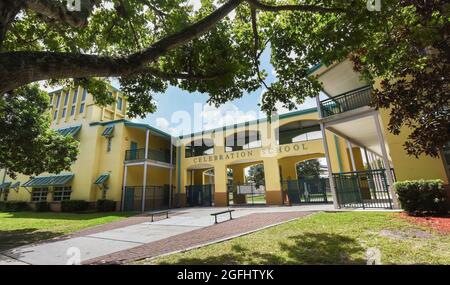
<point>440,224</point>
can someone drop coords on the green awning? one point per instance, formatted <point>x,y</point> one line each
<point>102,178</point>
<point>15,185</point>
<point>108,132</point>
<point>5,185</point>
<point>69,131</point>
<point>45,181</point>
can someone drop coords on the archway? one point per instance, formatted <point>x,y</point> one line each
<point>246,184</point>
<point>200,185</point>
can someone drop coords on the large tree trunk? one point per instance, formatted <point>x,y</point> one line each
<point>8,11</point>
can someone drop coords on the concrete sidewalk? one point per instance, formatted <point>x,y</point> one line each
<point>95,245</point>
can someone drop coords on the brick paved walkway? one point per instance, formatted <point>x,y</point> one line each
<point>198,237</point>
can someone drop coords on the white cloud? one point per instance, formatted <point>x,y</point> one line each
<point>227,114</point>
<point>164,125</point>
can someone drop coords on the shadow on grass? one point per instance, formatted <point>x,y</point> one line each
<point>307,248</point>
<point>14,238</point>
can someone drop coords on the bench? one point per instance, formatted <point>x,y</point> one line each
<point>158,213</point>
<point>220,213</point>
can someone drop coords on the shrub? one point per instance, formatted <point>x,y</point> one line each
<point>105,205</point>
<point>74,206</point>
<point>14,206</point>
<point>41,207</point>
<point>422,196</point>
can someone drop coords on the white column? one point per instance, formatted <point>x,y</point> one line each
<point>327,155</point>
<point>367,159</point>
<point>350,151</point>
<point>170,174</point>
<point>144,180</point>
<point>124,185</point>
<point>386,161</point>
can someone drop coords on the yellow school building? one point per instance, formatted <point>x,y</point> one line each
<point>143,168</point>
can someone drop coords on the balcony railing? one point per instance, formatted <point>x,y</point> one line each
<point>153,154</point>
<point>347,101</point>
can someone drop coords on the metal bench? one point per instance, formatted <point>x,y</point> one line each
<point>158,213</point>
<point>220,213</point>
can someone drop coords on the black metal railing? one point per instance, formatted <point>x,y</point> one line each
<point>153,154</point>
<point>200,195</point>
<point>363,189</point>
<point>249,193</point>
<point>157,197</point>
<point>307,190</point>
<point>347,101</point>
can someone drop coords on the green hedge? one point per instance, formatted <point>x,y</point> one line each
<point>74,206</point>
<point>41,207</point>
<point>422,196</point>
<point>105,205</point>
<point>14,206</point>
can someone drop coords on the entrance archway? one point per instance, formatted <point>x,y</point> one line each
<point>200,188</point>
<point>246,184</point>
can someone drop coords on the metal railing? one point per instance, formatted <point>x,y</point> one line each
<point>347,101</point>
<point>362,189</point>
<point>157,197</point>
<point>200,195</point>
<point>307,190</point>
<point>153,154</point>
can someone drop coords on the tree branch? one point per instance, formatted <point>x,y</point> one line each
<point>58,11</point>
<point>303,8</point>
<point>186,76</point>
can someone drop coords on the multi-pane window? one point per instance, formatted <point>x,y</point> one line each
<point>66,98</point>
<point>39,195</point>
<point>74,102</point>
<point>62,193</point>
<point>58,99</point>
<point>55,115</point>
<point>119,103</point>
<point>83,100</point>
<point>63,113</point>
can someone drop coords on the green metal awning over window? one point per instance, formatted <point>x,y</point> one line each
<point>45,181</point>
<point>5,185</point>
<point>108,132</point>
<point>102,178</point>
<point>15,185</point>
<point>69,131</point>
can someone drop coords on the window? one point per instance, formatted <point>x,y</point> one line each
<point>72,110</point>
<point>62,193</point>
<point>108,147</point>
<point>81,108</point>
<point>119,103</point>
<point>55,115</point>
<point>58,99</point>
<point>39,195</point>
<point>75,95</point>
<point>83,97</point>
<point>66,98</point>
<point>63,113</point>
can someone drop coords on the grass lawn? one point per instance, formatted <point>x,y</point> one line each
<point>19,228</point>
<point>327,238</point>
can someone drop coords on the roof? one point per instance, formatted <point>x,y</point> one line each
<point>53,180</point>
<point>131,124</point>
<point>108,132</point>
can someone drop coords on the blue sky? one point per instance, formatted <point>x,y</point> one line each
<point>177,105</point>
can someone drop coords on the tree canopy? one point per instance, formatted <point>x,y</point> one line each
<point>215,49</point>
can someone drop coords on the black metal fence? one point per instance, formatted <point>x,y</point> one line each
<point>307,190</point>
<point>362,189</point>
<point>154,154</point>
<point>157,197</point>
<point>200,195</point>
<point>347,101</point>
<point>246,194</point>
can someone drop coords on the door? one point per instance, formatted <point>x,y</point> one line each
<point>133,150</point>
<point>128,204</point>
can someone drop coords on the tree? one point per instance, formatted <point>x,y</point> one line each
<point>150,44</point>
<point>256,174</point>
<point>27,144</point>
<point>309,168</point>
